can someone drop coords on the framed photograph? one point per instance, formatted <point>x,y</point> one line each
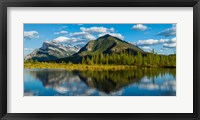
<point>64,59</point>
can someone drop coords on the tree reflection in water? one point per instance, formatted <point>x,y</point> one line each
<point>105,82</point>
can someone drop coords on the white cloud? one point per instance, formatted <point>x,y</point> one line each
<point>118,35</point>
<point>90,37</point>
<point>112,29</point>
<point>83,35</point>
<point>91,33</point>
<point>87,34</point>
<point>168,32</point>
<point>173,39</point>
<point>151,42</point>
<point>28,49</point>
<point>77,34</point>
<point>140,27</point>
<point>165,42</point>
<point>146,47</point>
<point>31,34</point>
<point>61,32</point>
<point>63,39</point>
<point>169,45</point>
<point>97,29</point>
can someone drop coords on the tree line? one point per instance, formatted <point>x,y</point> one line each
<point>126,58</point>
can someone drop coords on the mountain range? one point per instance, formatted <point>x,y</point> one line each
<point>106,44</point>
<point>52,51</point>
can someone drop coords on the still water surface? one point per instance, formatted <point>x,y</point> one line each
<point>130,82</point>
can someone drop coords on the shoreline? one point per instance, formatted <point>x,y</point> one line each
<point>85,67</point>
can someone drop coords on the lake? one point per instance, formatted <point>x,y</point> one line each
<point>128,82</point>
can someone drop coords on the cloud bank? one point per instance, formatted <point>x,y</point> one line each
<point>168,32</point>
<point>31,34</point>
<point>139,27</point>
<point>61,32</point>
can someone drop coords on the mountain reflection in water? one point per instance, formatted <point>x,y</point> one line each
<point>128,82</point>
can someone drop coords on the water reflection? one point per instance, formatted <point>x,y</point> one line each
<point>129,82</point>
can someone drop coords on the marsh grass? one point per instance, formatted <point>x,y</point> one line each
<point>81,67</point>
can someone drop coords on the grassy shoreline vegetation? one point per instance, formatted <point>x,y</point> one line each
<point>82,67</point>
<point>70,66</point>
<point>113,61</point>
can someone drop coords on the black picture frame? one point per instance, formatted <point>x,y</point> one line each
<point>99,3</point>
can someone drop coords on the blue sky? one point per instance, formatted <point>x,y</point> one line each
<point>160,37</point>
